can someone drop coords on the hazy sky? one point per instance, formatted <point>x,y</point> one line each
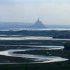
<point>49,11</point>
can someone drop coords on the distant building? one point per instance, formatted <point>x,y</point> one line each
<point>38,24</point>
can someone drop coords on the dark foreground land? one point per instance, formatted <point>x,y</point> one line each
<point>36,66</point>
<point>49,66</point>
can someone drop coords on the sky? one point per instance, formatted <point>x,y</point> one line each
<point>48,11</point>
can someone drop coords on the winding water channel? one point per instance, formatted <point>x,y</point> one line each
<point>34,57</point>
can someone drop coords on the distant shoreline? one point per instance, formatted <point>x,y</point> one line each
<point>28,29</point>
